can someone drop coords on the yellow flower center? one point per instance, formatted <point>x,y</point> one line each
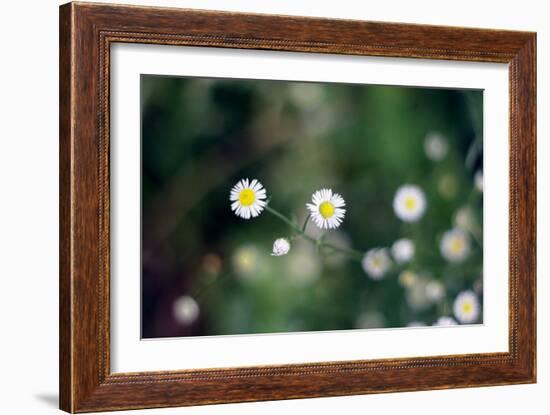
<point>467,308</point>
<point>456,246</point>
<point>326,209</point>
<point>410,203</point>
<point>407,278</point>
<point>247,197</point>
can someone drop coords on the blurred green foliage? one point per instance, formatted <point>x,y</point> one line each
<point>201,136</point>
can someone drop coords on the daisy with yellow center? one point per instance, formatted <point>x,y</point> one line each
<point>376,263</point>
<point>409,203</point>
<point>455,245</point>
<point>466,307</point>
<point>327,209</point>
<point>248,198</point>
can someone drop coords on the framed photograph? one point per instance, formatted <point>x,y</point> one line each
<point>258,207</point>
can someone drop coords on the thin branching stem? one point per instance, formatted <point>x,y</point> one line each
<point>320,243</point>
<point>305,223</point>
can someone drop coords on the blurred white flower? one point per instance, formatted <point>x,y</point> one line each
<point>407,278</point>
<point>435,291</point>
<point>246,261</point>
<point>402,250</point>
<point>416,295</point>
<point>327,209</point>
<point>455,245</point>
<point>409,203</point>
<point>416,324</point>
<point>464,218</point>
<point>281,247</point>
<point>435,146</point>
<point>185,309</point>
<point>478,180</point>
<point>248,198</point>
<point>307,96</point>
<point>376,263</point>
<point>303,264</point>
<point>370,320</point>
<point>466,307</point>
<point>320,121</point>
<point>445,321</point>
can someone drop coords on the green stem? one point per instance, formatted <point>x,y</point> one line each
<point>290,223</point>
<point>351,252</point>
<point>320,243</point>
<point>305,223</point>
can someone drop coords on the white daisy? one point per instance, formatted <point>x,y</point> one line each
<point>435,146</point>
<point>327,209</point>
<point>185,309</point>
<point>435,291</point>
<point>281,247</point>
<point>402,250</point>
<point>445,321</point>
<point>455,245</point>
<point>478,180</point>
<point>409,203</point>
<point>376,263</point>
<point>248,198</point>
<point>466,307</point>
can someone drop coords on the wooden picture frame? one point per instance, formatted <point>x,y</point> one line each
<point>86,33</point>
